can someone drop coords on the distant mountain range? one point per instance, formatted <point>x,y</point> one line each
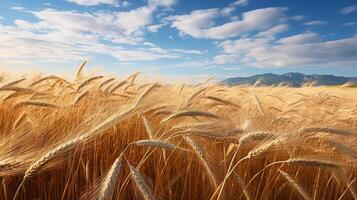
<point>290,79</point>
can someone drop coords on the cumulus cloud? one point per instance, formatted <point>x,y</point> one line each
<point>349,9</point>
<point>59,35</point>
<point>201,24</point>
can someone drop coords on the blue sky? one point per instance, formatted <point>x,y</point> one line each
<point>180,39</point>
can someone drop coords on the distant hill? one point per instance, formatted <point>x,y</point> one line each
<point>290,79</point>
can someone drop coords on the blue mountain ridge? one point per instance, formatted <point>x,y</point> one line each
<point>292,79</point>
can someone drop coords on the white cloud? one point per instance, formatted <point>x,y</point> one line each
<point>70,35</point>
<point>301,39</point>
<point>298,17</point>
<point>154,28</point>
<point>350,24</point>
<point>315,23</point>
<point>226,59</point>
<point>298,50</point>
<point>185,51</point>
<point>94,2</point>
<point>17,8</point>
<point>349,9</point>
<point>280,28</point>
<point>243,45</point>
<point>200,23</point>
<point>165,3</point>
<point>241,2</point>
<point>232,7</point>
<point>141,55</point>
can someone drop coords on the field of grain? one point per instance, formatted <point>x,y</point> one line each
<point>101,137</point>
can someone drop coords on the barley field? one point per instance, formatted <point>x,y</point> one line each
<point>98,137</point>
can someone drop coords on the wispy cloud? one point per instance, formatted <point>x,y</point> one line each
<point>94,2</point>
<point>315,23</point>
<point>348,9</point>
<point>297,50</point>
<point>17,8</point>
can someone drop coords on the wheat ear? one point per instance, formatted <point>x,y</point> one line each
<point>292,182</point>
<point>108,185</point>
<point>14,82</point>
<point>141,184</point>
<point>147,127</point>
<point>80,69</point>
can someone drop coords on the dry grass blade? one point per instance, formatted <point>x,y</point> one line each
<point>88,81</point>
<point>201,154</point>
<point>148,128</point>
<point>244,187</point>
<point>141,184</point>
<point>254,136</point>
<point>16,89</point>
<point>293,183</point>
<point>312,163</point>
<point>80,97</point>
<point>327,130</point>
<point>67,146</point>
<point>108,185</point>
<point>190,114</point>
<point>19,120</point>
<point>222,101</point>
<point>258,103</point>
<point>117,86</point>
<point>194,95</point>
<point>105,83</point>
<point>344,148</point>
<point>13,83</point>
<point>50,155</point>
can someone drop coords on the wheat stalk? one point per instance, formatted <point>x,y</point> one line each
<point>88,81</point>
<point>292,182</point>
<point>148,128</point>
<point>105,83</point>
<point>14,82</point>
<point>80,69</point>
<point>117,86</point>
<point>141,184</point>
<point>108,185</point>
<point>80,97</point>
<point>35,103</point>
<point>189,114</point>
<point>327,130</point>
<point>222,101</point>
<point>155,143</point>
<point>203,158</point>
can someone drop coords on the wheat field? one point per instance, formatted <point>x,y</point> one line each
<point>99,137</point>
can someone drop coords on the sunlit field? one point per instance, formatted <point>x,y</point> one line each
<point>98,137</point>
